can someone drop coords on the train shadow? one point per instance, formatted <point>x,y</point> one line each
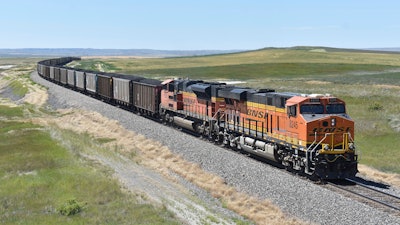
<point>371,183</point>
<point>360,180</point>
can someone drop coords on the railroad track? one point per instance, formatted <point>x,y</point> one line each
<point>368,195</point>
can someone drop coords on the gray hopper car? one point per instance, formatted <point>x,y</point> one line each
<point>80,80</point>
<point>105,86</point>
<point>71,77</point>
<point>91,82</point>
<point>63,76</point>
<point>122,88</point>
<point>51,75</point>
<point>57,74</point>
<point>146,95</point>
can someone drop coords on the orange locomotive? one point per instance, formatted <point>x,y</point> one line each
<point>307,133</point>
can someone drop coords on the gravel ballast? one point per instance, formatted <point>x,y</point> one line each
<point>295,196</point>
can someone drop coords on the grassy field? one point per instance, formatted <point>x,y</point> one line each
<point>368,81</point>
<point>45,181</point>
<point>40,179</point>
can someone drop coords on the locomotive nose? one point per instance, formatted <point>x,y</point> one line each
<point>331,124</point>
<point>332,132</point>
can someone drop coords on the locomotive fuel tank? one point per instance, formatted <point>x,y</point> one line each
<point>187,124</point>
<point>260,148</point>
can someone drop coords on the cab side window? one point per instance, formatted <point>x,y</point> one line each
<point>291,111</point>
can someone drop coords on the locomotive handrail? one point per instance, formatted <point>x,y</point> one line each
<point>315,140</point>
<point>315,148</point>
<point>308,149</point>
<point>216,114</point>
<point>346,136</point>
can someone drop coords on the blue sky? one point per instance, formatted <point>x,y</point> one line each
<point>199,25</point>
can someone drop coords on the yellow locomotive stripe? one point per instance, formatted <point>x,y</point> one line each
<point>265,107</point>
<point>188,94</point>
<point>280,110</point>
<point>216,99</point>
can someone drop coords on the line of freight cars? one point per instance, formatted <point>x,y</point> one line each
<point>311,134</point>
<point>132,92</point>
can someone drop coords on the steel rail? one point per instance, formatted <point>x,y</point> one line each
<point>365,196</point>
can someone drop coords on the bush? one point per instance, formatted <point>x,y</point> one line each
<point>375,107</point>
<point>71,207</point>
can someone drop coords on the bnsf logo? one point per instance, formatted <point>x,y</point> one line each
<point>256,113</point>
<point>332,129</point>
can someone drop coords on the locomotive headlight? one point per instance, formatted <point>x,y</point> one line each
<point>352,146</point>
<point>333,122</point>
<point>326,147</point>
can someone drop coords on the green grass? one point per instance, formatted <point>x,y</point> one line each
<point>38,176</point>
<point>368,81</point>
<point>260,71</point>
<point>95,65</point>
<point>19,88</point>
<point>104,140</point>
<point>380,151</point>
<point>19,61</point>
<point>9,112</point>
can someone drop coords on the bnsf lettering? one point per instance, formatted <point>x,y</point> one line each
<point>332,129</point>
<point>256,113</point>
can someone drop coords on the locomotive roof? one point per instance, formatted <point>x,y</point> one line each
<point>234,93</point>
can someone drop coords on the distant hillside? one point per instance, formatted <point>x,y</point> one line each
<point>385,49</point>
<point>53,52</point>
<point>268,63</point>
<point>56,52</point>
<point>331,49</point>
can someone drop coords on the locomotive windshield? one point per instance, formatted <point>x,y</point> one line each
<point>320,109</point>
<point>335,108</point>
<point>312,109</point>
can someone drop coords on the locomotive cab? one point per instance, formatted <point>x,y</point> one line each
<point>326,134</point>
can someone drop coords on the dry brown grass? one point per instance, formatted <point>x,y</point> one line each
<point>36,95</point>
<point>317,82</point>
<point>374,174</point>
<point>160,158</point>
<point>387,86</point>
<point>260,211</point>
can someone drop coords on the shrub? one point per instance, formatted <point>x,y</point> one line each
<point>71,207</point>
<point>375,107</point>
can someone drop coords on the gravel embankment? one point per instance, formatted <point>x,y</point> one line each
<point>295,196</point>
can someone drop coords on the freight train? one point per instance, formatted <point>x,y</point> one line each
<point>307,133</point>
